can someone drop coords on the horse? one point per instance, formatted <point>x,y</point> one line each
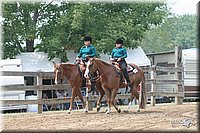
<point>73,74</point>
<point>111,82</point>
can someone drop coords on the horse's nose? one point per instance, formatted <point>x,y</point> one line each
<point>86,75</point>
<point>56,82</point>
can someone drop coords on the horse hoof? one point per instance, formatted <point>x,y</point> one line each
<point>107,112</point>
<point>119,110</point>
<point>86,111</point>
<point>126,111</point>
<point>138,110</point>
<point>68,112</point>
<point>98,109</point>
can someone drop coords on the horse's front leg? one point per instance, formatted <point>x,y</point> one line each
<point>108,97</point>
<point>71,101</point>
<point>101,91</point>
<point>113,96</point>
<point>99,101</point>
<point>81,98</point>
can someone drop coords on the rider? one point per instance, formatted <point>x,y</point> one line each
<point>118,55</point>
<point>87,51</point>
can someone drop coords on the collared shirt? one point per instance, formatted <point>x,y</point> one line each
<point>119,53</point>
<point>87,50</point>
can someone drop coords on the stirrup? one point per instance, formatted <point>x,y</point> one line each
<point>125,82</point>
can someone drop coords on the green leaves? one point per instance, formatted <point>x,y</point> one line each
<point>175,31</point>
<point>61,27</point>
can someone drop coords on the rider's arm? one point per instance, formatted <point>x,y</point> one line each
<point>125,54</point>
<point>93,52</point>
<point>80,53</point>
<point>112,53</point>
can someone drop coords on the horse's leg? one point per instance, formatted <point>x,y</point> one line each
<point>129,103</point>
<point>134,94</point>
<point>126,91</point>
<point>114,93</point>
<point>108,95</point>
<point>101,91</point>
<point>72,100</point>
<point>81,98</point>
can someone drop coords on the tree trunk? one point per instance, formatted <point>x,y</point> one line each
<point>29,45</point>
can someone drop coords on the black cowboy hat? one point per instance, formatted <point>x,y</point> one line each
<point>119,41</point>
<point>87,38</point>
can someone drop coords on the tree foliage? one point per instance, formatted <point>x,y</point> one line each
<point>175,31</point>
<point>61,27</point>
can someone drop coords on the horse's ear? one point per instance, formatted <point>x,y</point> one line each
<point>54,63</point>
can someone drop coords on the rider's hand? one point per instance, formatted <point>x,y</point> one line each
<point>119,59</point>
<point>77,58</point>
<point>111,59</point>
<point>87,56</point>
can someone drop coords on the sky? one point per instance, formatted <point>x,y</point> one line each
<point>181,7</point>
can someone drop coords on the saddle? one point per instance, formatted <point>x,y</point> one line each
<point>129,68</point>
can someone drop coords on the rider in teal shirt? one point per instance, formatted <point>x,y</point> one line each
<point>118,55</point>
<point>87,51</point>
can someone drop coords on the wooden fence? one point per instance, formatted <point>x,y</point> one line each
<point>179,94</point>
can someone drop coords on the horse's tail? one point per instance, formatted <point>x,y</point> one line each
<point>143,94</point>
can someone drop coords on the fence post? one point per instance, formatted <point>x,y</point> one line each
<point>88,101</point>
<point>178,75</point>
<point>153,85</point>
<point>39,94</point>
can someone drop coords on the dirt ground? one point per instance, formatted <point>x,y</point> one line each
<point>162,117</point>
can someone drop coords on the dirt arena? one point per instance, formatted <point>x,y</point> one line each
<point>162,117</point>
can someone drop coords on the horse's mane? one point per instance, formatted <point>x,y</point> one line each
<point>67,64</point>
<point>105,63</point>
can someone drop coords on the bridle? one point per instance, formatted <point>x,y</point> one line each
<point>58,78</point>
<point>91,71</point>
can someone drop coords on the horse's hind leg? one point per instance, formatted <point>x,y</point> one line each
<point>130,102</point>
<point>134,94</point>
<point>114,93</point>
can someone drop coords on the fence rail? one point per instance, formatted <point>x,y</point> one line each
<point>88,98</point>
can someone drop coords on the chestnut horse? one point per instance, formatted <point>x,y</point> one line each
<point>111,82</point>
<point>72,73</point>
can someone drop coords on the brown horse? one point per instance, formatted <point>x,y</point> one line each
<point>111,82</point>
<point>72,73</point>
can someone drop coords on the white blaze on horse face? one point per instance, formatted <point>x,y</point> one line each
<point>86,75</point>
<point>56,77</point>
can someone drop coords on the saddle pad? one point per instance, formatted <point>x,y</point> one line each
<point>131,69</point>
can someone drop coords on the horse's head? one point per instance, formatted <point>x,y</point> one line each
<point>58,73</point>
<point>90,68</point>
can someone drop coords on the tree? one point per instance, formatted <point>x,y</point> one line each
<point>20,26</point>
<point>175,31</point>
<point>61,28</point>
